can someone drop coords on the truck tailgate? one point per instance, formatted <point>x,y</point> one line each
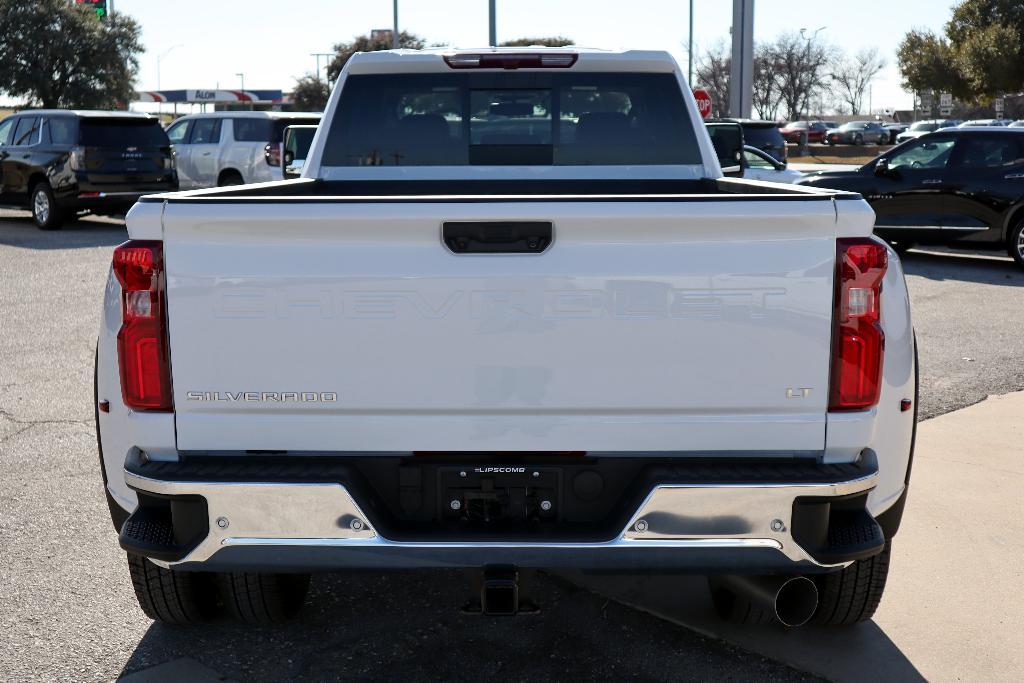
<point>348,326</point>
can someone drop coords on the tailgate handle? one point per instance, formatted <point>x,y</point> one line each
<point>497,237</point>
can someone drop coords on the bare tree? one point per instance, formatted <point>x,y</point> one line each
<point>712,74</point>
<point>801,67</point>
<point>766,90</point>
<point>853,76</point>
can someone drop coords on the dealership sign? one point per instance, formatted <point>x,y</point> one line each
<point>210,96</point>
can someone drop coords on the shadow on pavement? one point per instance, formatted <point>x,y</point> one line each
<point>857,653</point>
<point>983,267</point>
<point>18,230</point>
<point>409,626</point>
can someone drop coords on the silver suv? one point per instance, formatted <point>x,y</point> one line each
<point>231,147</point>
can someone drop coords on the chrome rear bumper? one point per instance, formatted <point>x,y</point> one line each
<point>700,527</point>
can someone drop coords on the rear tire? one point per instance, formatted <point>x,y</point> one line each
<point>45,212</point>
<point>263,598</point>
<point>1015,243</point>
<point>229,178</point>
<point>736,608</point>
<point>851,595</point>
<point>173,597</point>
<point>858,139</point>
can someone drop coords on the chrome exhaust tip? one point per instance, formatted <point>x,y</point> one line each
<point>790,600</point>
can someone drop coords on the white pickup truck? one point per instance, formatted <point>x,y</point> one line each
<point>512,316</point>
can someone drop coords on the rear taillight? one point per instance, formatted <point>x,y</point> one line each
<point>142,341</point>
<point>272,153</point>
<point>498,60</point>
<point>857,339</point>
<point>166,160</point>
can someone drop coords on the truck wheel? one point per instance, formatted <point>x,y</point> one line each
<point>1015,243</point>
<point>173,597</point>
<point>851,595</point>
<point>228,178</point>
<point>263,598</point>
<point>45,212</point>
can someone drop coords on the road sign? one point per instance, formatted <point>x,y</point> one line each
<point>999,106</point>
<point>946,99</point>
<point>98,6</point>
<point>945,111</point>
<point>703,102</point>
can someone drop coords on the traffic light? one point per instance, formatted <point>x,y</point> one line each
<point>98,6</point>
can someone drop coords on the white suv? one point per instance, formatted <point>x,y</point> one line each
<point>231,147</point>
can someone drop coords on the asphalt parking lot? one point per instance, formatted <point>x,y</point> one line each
<point>68,612</point>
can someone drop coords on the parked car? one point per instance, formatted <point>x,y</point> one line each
<point>1017,124</point>
<point>477,334</point>
<point>894,130</point>
<point>857,133</point>
<point>57,163</point>
<point>231,147</point>
<point>955,187</point>
<point>795,131</point>
<point>764,135</point>
<point>759,165</point>
<point>919,128</point>
<point>975,123</point>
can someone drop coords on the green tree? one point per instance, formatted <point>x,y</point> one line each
<point>928,64</point>
<point>310,94</point>
<point>344,51</point>
<point>553,41</point>
<point>980,55</point>
<point>56,54</point>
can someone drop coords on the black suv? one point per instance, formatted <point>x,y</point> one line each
<point>765,135</point>
<point>955,187</point>
<point>57,163</point>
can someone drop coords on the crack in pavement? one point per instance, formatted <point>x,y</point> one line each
<point>29,424</point>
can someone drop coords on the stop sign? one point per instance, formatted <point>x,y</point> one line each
<point>703,102</point>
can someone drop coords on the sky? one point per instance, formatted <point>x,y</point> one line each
<point>270,41</point>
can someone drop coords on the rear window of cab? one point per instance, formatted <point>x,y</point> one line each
<point>512,119</point>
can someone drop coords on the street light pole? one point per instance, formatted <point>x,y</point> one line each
<point>689,45</point>
<point>318,55</point>
<point>492,24</point>
<point>803,32</point>
<point>242,76</point>
<point>159,57</point>
<point>394,28</point>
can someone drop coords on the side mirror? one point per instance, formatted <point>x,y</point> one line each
<point>882,167</point>
<point>295,143</point>
<point>727,138</point>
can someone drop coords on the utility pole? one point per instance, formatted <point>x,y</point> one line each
<point>741,74</point>
<point>394,28</point>
<point>689,45</point>
<point>492,33</point>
